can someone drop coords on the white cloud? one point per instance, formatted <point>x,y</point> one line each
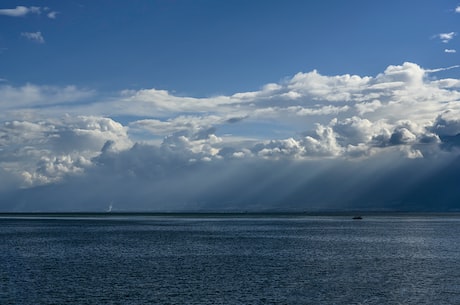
<point>306,94</point>
<point>324,110</point>
<point>178,124</point>
<point>21,11</point>
<point>447,123</point>
<point>366,107</point>
<point>457,9</point>
<point>29,100</point>
<point>447,83</point>
<point>450,51</point>
<point>334,89</point>
<point>46,151</point>
<point>404,75</point>
<point>52,15</point>
<point>155,142</point>
<point>34,36</point>
<point>446,37</point>
<point>442,69</point>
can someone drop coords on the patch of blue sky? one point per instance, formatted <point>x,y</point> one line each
<point>256,130</point>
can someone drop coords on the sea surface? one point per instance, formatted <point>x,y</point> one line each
<point>193,259</point>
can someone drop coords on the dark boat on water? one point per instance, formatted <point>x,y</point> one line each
<point>357,218</point>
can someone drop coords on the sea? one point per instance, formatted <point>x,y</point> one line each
<point>229,259</point>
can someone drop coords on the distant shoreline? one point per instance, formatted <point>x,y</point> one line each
<point>206,214</point>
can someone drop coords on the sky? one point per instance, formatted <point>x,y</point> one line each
<point>175,105</point>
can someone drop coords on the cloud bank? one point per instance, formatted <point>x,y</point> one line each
<point>310,142</point>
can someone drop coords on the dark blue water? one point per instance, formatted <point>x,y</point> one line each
<point>264,260</point>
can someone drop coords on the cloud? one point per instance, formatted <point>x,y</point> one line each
<point>442,69</point>
<point>45,152</point>
<point>34,36</point>
<point>450,51</point>
<point>52,15</point>
<point>151,178</point>
<point>309,141</point>
<point>366,107</point>
<point>457,9</point>
<point>30,95</point>
<point>178,124</point>
<point>447,123</point>
<point>446,37</point>
<point>21,11</point>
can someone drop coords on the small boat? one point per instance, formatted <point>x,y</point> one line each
<point>357,218</point>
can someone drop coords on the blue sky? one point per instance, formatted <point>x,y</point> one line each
<point>236,104</point>
<point>203,48</point>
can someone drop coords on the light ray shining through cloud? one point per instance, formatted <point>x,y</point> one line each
<point>306,139</point>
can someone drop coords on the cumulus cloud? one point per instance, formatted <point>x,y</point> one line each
<point>450,51</point>
<point>299,141</point>
<point>366,107</point>
<point>46,151</point>
<point>457,9</point>
<point>447,123</point>
<point>34,36</point>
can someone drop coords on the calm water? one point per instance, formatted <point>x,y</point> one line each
<point>265,260</point>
